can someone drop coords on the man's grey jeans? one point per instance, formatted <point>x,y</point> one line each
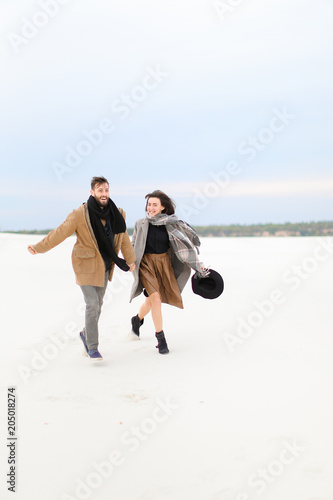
<point>93,296</point>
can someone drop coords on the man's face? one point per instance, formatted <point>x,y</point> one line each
<point>101,193</point>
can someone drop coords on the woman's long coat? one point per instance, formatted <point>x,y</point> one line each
<point>182,271</point>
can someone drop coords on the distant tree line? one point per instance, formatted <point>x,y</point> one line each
<point>323,228</point>
<point>29,231</point>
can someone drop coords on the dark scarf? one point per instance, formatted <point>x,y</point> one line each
<point>115,224</point>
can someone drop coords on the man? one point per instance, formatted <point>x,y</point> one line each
<point>101,233</point>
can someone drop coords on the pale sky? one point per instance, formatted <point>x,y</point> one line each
<point>227,108</point>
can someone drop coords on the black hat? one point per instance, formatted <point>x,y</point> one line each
<point>210,287</point>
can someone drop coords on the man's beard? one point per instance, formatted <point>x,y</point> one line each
<point>102,204</point>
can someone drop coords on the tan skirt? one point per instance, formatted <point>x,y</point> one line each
<point>156,275</point>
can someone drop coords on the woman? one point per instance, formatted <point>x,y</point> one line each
<point>166,249</point>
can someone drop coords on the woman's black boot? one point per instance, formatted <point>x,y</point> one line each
<point>162,345</point>
<point>136,323</point>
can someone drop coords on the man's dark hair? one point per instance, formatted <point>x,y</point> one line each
<point>96,181</point>
<point>166,202</point>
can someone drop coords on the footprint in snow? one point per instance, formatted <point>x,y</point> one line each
<point>314,470</point>
<point>163,493</point>
<point>135,396</point>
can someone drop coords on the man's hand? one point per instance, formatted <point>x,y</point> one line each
<point>32,250</point>
<point>132,267</point>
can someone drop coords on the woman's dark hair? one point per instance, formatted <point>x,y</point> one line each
<point>166,202</point>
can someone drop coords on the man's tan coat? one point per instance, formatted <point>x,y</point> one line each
<point>88,264</point>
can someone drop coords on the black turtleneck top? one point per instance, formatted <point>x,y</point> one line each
<point>157,239</point>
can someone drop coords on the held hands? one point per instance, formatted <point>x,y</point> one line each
<point>32,250</point>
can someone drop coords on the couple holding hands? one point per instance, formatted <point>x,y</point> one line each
<point>161,255</point>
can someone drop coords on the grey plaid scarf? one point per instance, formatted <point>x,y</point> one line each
<point>183,240</point>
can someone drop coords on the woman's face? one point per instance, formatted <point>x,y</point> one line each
<point>154,206</point>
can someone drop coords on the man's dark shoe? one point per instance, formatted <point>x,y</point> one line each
<point>94,354</point>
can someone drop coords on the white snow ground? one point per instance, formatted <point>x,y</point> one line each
<point>234,412</point>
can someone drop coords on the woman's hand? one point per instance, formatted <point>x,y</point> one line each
<point>132,267</point>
